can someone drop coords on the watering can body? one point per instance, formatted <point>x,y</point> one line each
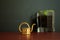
<point>27,30</point>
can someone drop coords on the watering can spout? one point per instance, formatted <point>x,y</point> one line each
<point>32,27</point>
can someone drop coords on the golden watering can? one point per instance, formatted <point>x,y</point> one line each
<point>27,30</point>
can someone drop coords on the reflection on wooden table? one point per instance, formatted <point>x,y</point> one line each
<point>32,36</point>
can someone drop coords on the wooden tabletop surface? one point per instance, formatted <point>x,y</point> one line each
<point>32,36</point>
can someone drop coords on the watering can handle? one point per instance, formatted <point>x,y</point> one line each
<point>22,24</point>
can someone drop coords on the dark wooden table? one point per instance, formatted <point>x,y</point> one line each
<point>32,36</point>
